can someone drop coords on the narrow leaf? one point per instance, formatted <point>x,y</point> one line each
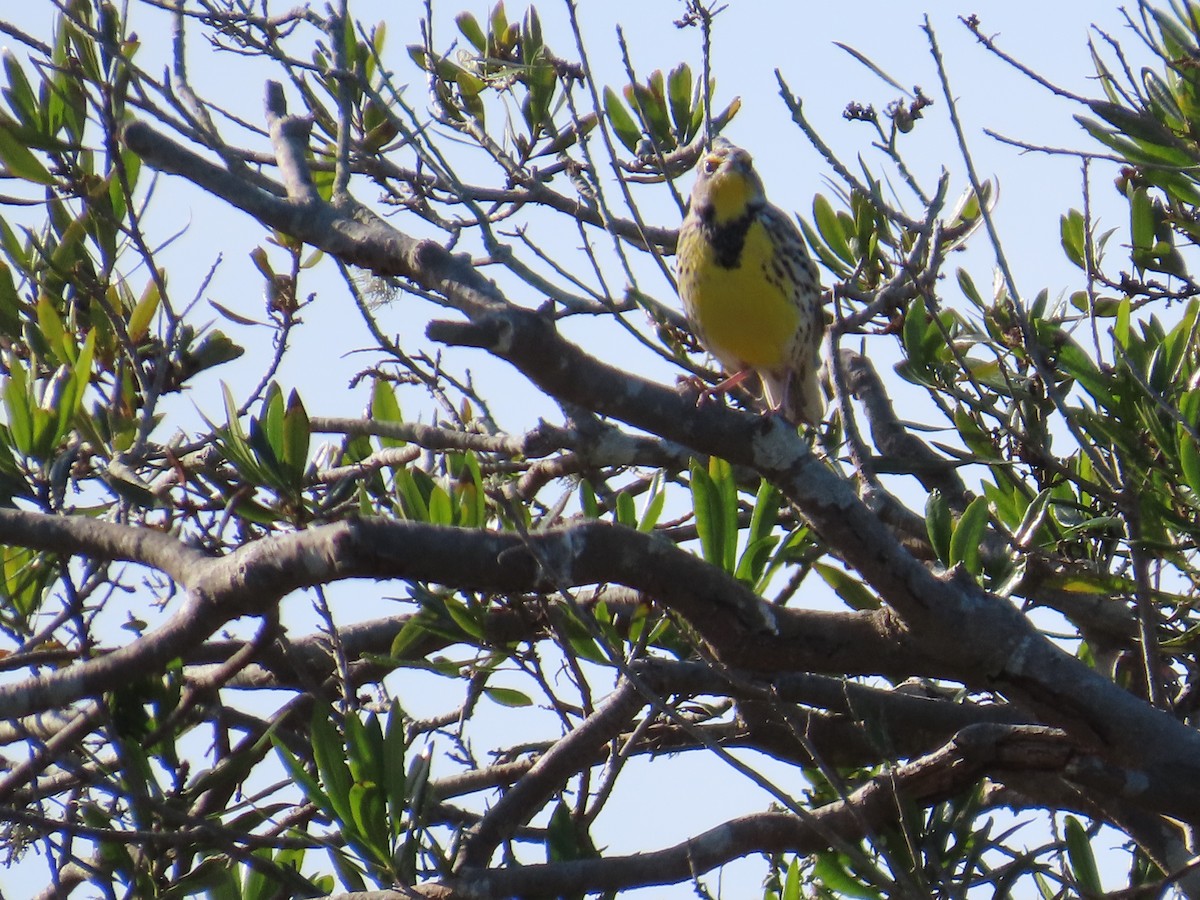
<point>853,592</point>
<point>1083,861</point>
<point>17,159</point>
<point>707,504</point>
<point>622,122</point>
<point>874,68</point>
<point>968,536</point>
<point>508,697</point>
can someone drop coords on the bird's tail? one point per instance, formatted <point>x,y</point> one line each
<point>796,394</point>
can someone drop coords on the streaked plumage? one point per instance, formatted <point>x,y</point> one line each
<point>749,288</point>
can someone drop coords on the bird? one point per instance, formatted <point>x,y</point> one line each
<point>751,292</point>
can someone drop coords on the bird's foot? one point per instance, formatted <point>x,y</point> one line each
<point>694,386</point>
<point>706,393</point>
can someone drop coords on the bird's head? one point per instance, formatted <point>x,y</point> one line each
<point>726,183</point>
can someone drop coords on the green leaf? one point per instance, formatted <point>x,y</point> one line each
<point>967,285</point>
<point>310,786</point>
<point>409,486</point>
<point>234,445</point>
<point>542,81</point>
<point>329,754</point>
<point>1075,362</point>
<point>1033,519</point>
<point>587,500</point>
<point>415,630</point>
<point>626,512</point>
<point>370,823</point>
<point>759,539</point>
<point>766,511</point>
<point>364,747</point>
<point>469,84</point>
<point>1162,101</point>
<point>265,455</point>
<point>977,440</point>
<point>721,473</point>
<point>18,404</point>
<point>1141,226</point>
<point>531,34</point>
<point>1189,406</point>
<point>469,26</point>
<point>1144,154</point>
<point>791,883</point>
<point>10,303</point>
<point>753,561</point>
<point>498,24</point>
<point>853,592</point>
<point>1178,42</point>
<point>508,697</point>
<point>1189,460</point>
<point>830,871</point>
<point>706,501</point>
<point>830,226</point>
<point>472,498</point>
<point>1070,227</point>
<point>271,421</point>
<point>562,844</point>
<point>385,408</point>
<point>19,93</point>
<point>1121,326</point>
<point>441,509</point>
<point>651,109</point>
<point>622,123</point>
<point>679,96</point>
<point>72,399</point>
<point>143,312</point>
<point>51,326</point>
<point>653,507</point>
<point>916,324</point>
<point>295,439</point>
<point>968,535</point>
<point>417,779</point>
<point>214,349</point>
<point>349,41</point>
<point>828,258</point>
<point>1135,124</point>
<point>1083,861</point>
<point>395,748</point>
<point>464,617</point>
<point>1176,345</point>
<point>17,159</point>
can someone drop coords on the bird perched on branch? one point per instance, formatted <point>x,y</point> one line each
<point>750,290</point>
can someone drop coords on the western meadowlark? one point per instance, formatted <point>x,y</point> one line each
<point>750,290</point>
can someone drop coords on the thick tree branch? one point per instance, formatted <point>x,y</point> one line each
<point>742,628</point>
<point>95,539</point>
<point>843,722</point>
<point>931,778</point>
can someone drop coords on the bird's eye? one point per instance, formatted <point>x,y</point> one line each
<point>711,164</point>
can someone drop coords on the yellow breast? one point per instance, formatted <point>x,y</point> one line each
<point>746,315</point>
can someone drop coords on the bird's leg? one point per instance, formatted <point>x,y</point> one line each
<point>708,394</point>
<point>730,383</point>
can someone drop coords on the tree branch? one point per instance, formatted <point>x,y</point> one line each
<point>934,777</point>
